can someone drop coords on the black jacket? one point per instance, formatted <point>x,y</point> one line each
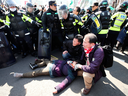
<point>51,21</point>
<point>74,51</point>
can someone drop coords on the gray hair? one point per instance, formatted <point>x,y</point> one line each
<point>92,37</point>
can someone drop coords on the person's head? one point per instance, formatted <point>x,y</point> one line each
<point>89,40</point>
<point>12,5</point>
<point>89,10</point>
<point>123,6</point>
<point>95,6</point>
<point>82,11</point>
<point>29,8</point>
<point>63,12</point>
<point>103,4</point>
<point>78,39</point>
<point>52,5</point>
<point>109,9</point>
<point>76,11</point>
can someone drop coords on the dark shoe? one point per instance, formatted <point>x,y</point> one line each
<point>86,91</point>
<point>24,55</point>
<point>38,61</point>
<point>33,66</point>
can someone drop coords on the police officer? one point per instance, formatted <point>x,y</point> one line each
<point>17,23</point>
<point>69,22</point>
<point>33,29</point>
<point>76,11</point>
<point>50,20</point>
<point>2,16</point>
<point>104,17</point>
<point>118,22</point>
<point>95,7</point>
<point>7,32</point>
<point>87,15</point>
<point>82,12</point>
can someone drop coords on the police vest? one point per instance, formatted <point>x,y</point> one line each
<point>52,20</point>
<point>68,24</point>
<point>29,25</point>
<point>120,17</point>
<point>32,27</point>
<point>17,24</point>
<point>105,21</point>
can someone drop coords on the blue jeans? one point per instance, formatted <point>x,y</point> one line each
<point>66,56</point>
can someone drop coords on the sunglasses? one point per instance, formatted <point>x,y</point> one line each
<point>54,4</point>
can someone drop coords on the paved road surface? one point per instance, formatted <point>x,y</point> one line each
<point>115,84</point>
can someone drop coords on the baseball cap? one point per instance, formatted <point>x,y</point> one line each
<point>52,3</point>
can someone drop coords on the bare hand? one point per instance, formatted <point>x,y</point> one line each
<point>55,91</point>
<point>65,52</point>
<point>74,63</point>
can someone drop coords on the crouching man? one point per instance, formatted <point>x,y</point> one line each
<point>91,68</point>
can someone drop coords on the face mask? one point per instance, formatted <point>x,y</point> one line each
<point>12,9</point>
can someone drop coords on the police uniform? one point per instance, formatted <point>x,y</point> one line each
<point>104,17</point>
<point>70,27</point>
<point>17,23</point>
<point>33,29</point>
<point>119,20</point>
<point>7,32</point>
<point>50,20</point>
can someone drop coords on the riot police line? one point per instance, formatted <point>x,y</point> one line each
<point>21,29</point>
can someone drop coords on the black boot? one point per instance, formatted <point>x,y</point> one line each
<point>33,66</point>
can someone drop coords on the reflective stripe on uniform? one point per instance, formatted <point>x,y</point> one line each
<point>27,18</point>
<point>39,21</point>
<point>120,18</point>
<point>7,22</point>
<point>25,34</point>
<point>74,23</point>
<point>103,31</point>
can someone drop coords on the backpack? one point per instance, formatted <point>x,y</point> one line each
<point>108,56</point>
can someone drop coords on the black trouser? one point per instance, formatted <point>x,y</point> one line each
<point>112,37</point>
<point>12,40</point>
<point>101,39</point>
<point>24,43</point>
<point>35,40</point>
<point>57,40</point>
<point>125,43</point>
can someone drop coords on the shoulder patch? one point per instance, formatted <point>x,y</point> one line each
<point>48,13</point>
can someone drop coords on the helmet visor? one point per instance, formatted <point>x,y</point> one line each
<point>63,14</point>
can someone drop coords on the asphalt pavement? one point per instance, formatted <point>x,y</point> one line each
<point>115,84</point>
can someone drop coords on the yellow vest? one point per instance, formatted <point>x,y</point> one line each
<point>120,18</point>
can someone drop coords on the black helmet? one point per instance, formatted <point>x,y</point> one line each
<point>63,7</point>
<point>29,5</point>
<point>82,11</point>
<point>124,5</point>
<point>62,10</point>
<point>90,10</point>
<point>103,4</point>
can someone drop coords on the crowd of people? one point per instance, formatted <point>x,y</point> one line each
<point>75,32</point>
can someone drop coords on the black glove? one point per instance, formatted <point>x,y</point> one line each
<point>3,28</point>
<point>37,24</point>
<point>83,27</point>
